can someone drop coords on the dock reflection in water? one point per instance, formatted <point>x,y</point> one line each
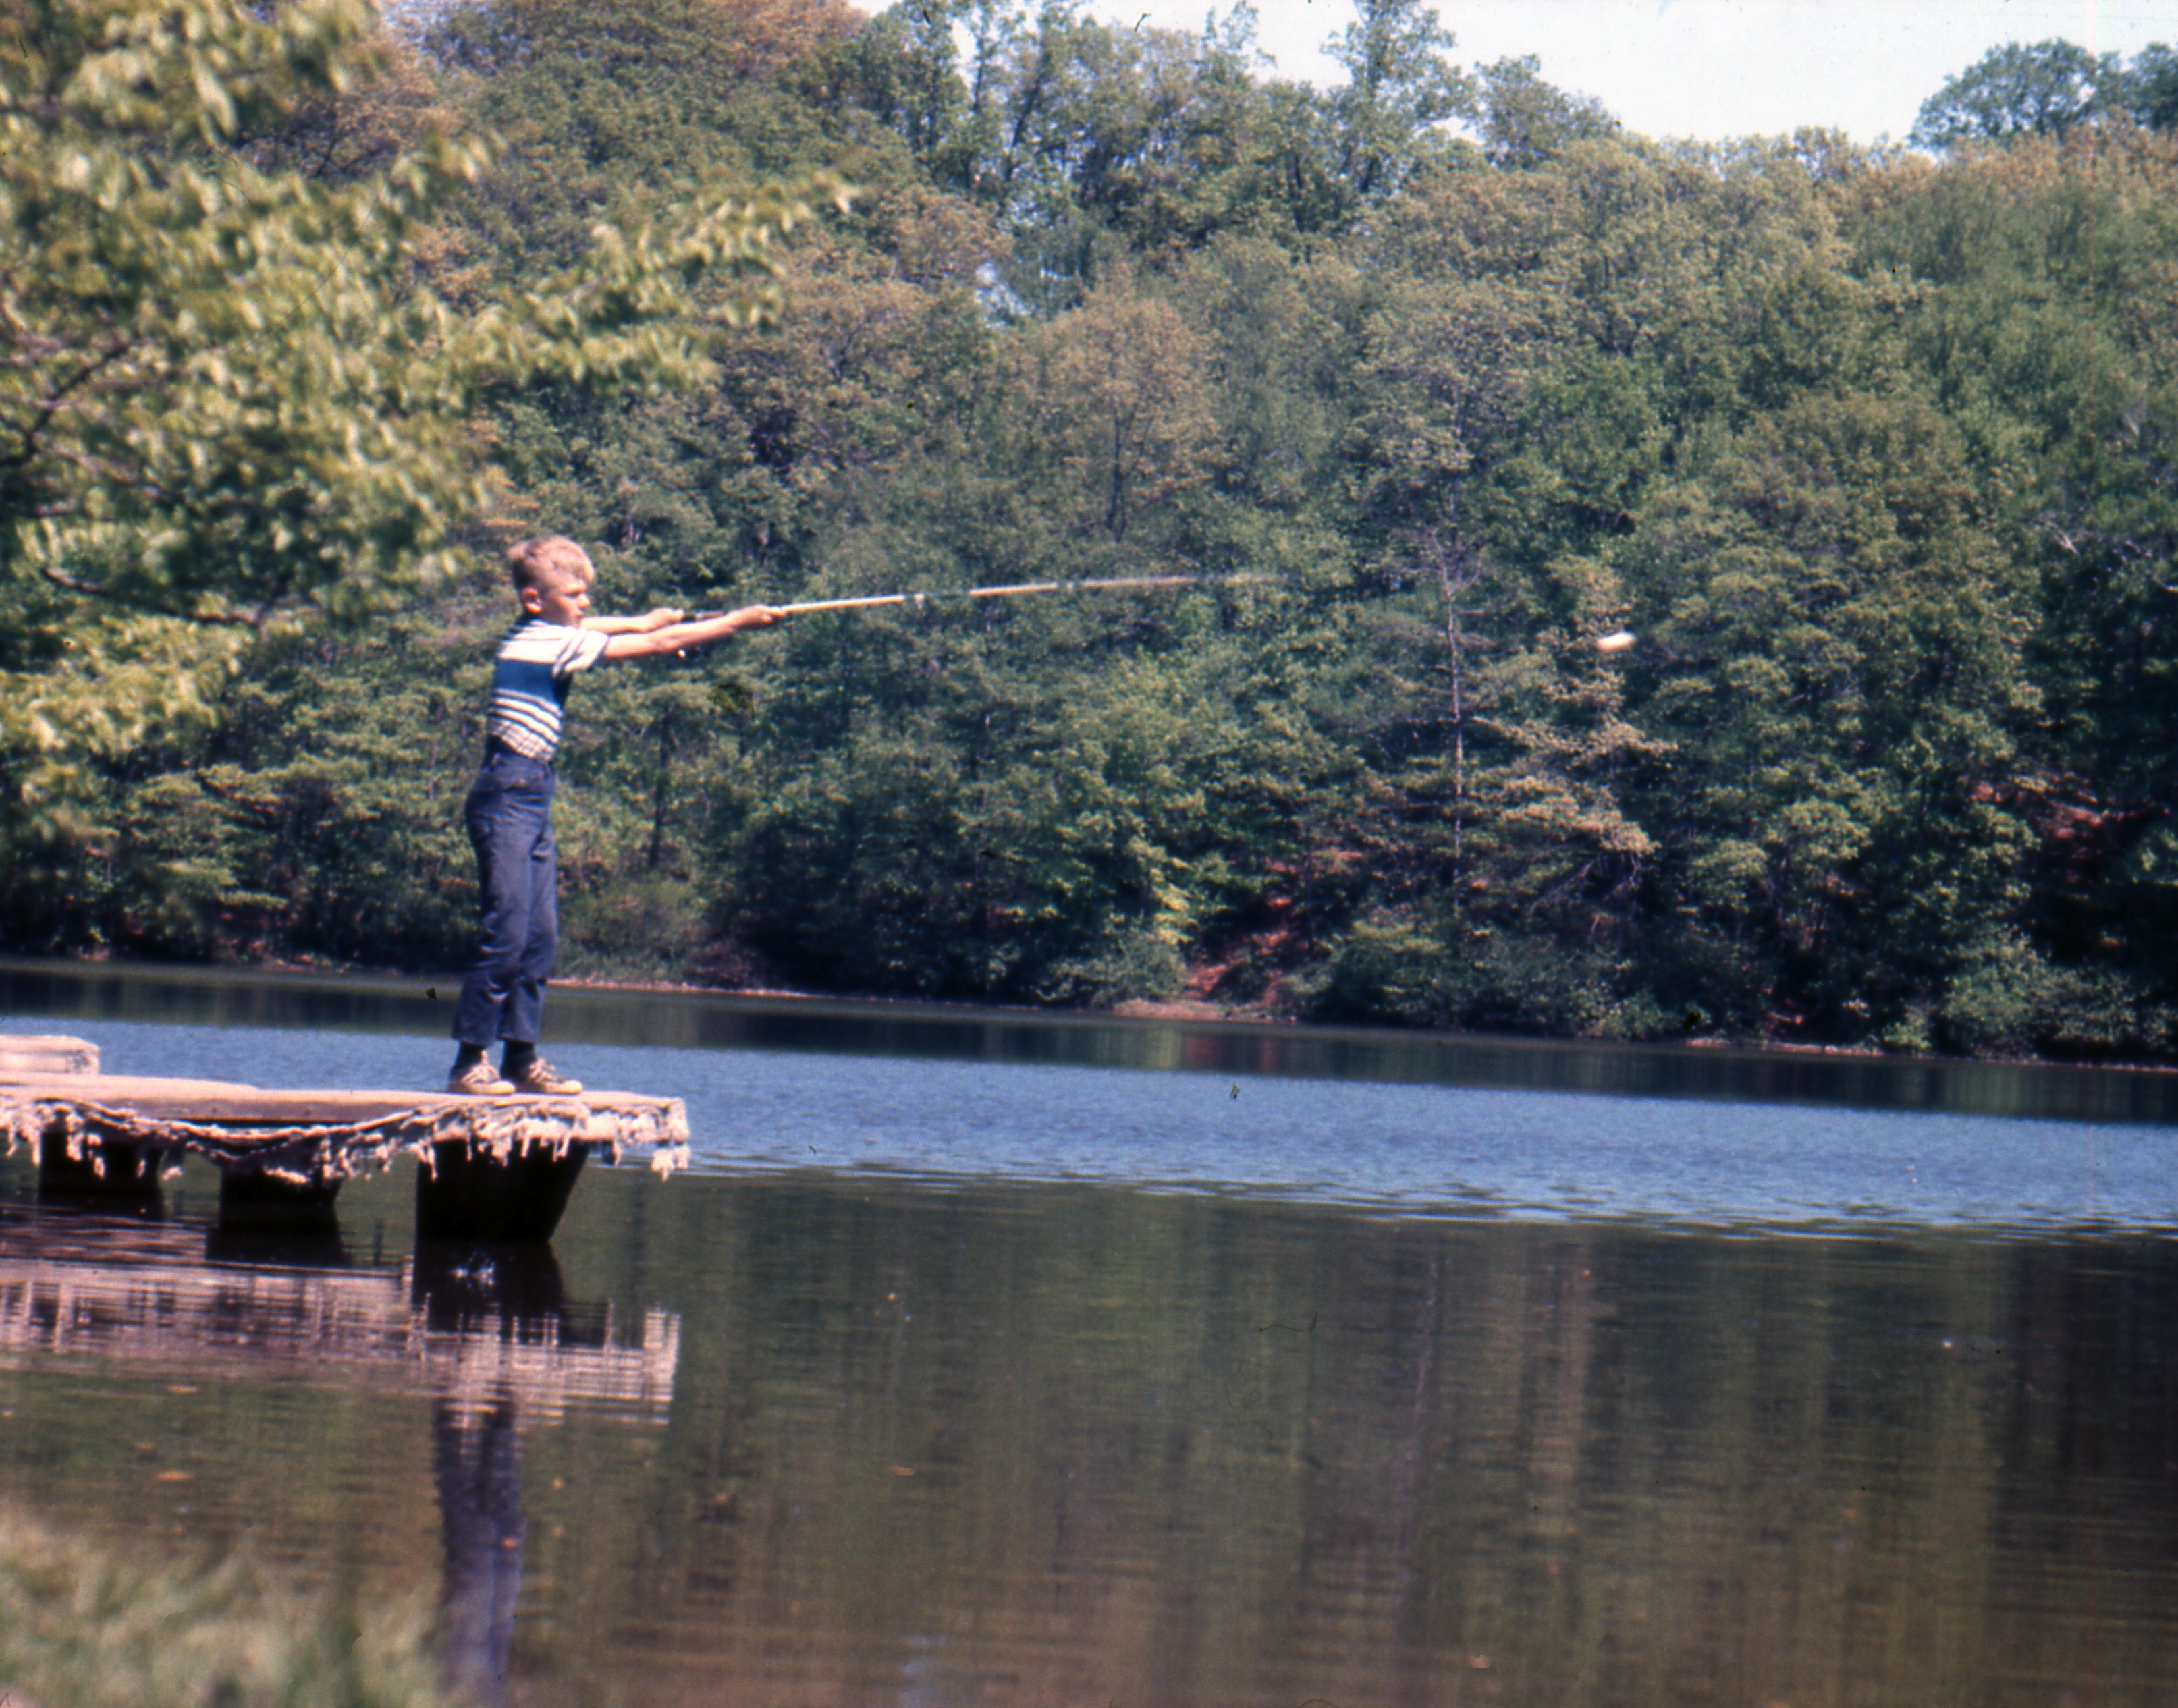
<point>487,1335</point>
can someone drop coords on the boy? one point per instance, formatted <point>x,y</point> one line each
<point>509,813</point>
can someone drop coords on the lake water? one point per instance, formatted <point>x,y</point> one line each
<point>981,1360</point>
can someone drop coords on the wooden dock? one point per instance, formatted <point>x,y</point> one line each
<point>492,1168</point>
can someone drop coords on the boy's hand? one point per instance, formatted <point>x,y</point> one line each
<point>664,617</point>
<point>679,637</point>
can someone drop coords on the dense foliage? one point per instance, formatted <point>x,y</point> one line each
<point>1433,377</point>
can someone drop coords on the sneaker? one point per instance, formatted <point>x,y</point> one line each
<point>479,1079</point>
<point>541,1079</point>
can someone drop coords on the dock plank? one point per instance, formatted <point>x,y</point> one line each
<point>218,1102</point>
<point>493,1168</point>
<point>47,1054</point>
<point>313,1139</point>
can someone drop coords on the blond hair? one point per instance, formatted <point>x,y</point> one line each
<point>529,562</point>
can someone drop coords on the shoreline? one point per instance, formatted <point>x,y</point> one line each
<point>1194,1012</point>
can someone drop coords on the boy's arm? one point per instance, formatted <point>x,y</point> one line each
<point>657,619</point>
<point>682,636</point>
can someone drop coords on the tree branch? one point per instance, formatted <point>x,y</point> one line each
<point>68,583</point>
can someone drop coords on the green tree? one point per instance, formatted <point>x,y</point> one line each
<point>2153,95</point>
<point>1504,896</point>
<point>2027,269</point>
<point>1401,85</point>
<point>621,114</point>
<point>229,402</point>
<point>1520,120</point>
<point>1843,635</point>
<point>2018,90</point>
<point>1114,397</point>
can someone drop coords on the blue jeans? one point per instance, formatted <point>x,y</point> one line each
<point>509,822</point>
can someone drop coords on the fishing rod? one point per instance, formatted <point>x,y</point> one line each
<point>870,601</point>
<point>1603,644</point>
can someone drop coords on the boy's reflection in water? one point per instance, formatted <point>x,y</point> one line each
<point>476,1453</point>
<point>478,1465</point>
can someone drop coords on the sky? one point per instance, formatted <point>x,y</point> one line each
<point>1714,68</point>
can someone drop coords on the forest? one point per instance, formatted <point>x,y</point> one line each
<point>1426,380</point>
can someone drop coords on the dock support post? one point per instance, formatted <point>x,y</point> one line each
<point>466,1193</point>
<point>250,1197</point>
<point>104,1170</point>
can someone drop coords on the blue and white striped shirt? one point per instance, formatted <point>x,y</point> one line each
<point>537,663</point>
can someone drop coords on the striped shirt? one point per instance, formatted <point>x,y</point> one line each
<point>536,665</point>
